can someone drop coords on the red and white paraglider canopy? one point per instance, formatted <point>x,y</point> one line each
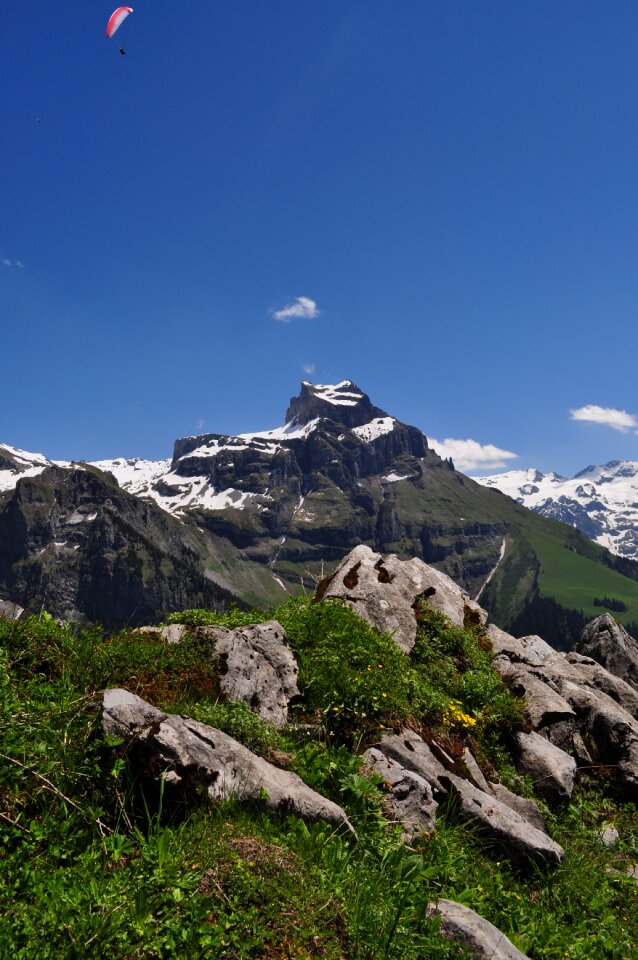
<point>116,19</point>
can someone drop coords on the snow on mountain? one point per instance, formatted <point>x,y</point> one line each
<point>189,480</point>
<point>601,501</point>
<point>16,463</point>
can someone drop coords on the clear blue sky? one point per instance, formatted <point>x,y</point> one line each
<point>454,185</point>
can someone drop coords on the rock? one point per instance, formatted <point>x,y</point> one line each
<point>473,771</point>
<point>480,938</point>
<point>607,642</point>
<point>543,705</point>
<point>413,753</point>
<point>10,610</point>
<point>190,754</point>
<point>522,841</point>
<point>384,591</point>
<point>524,807</point>
<point>169,633</point>
<point>257,667</point>
<point>609,836</point>
<point>611,732</point>
<point>410,800</point>
<point>552,770</point>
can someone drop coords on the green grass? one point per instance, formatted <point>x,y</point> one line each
<point>575,580</point>
<point>93,863</point>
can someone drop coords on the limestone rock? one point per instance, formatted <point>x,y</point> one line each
<point>410,799</point>
<point>10,610</point>
<point>523,806</point>
<point>552,770</point>
<point>516,835</point>
<point>480,938</point>
<point>169,633</point>
<point>185,752</point>
<point>257,667</point>
<point>384,590</point>
<point>413,753</point>
<point>607,642</point>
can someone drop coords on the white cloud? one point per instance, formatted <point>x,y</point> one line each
<point>471,455</point>
<point>200,424</point>
<point>302,308</point>
<point>7,264</point>
<point>308,368</point>
<point>616,419</point>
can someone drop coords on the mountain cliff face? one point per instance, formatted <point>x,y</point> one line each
<point>267,514</point>
<point>601,501</point>
<point>78,546</point>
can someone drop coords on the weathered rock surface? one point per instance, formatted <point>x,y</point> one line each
<point>412,752</point>
<point>607,642</point>
<point>384,590</point>
<point>577,705</point>
<point>410,799</point>
<point>552,770</point>
<point>167,633</point>
<point>187,753</point>
<point>257,667</point>
<point>406,762</point>
<point>480,938</point>
<point>10,610</point>
<point>522,841</point>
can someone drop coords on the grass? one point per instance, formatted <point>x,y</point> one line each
<point>575,581</point>
<point>93,863</point>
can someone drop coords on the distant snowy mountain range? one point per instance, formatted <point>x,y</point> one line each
<point>187,480</point>
<point>600,501</point>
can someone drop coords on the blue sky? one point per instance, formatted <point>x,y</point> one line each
<point>451,187</point>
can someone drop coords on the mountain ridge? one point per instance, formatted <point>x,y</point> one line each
<point>271,509</point>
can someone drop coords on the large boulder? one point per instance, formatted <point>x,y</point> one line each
<point>607,642</point>
<point>258,667</point>
<point>480,938</point>
<point>384,591</point>
<point>256,664</point>
<point>522,841</point>
<point>189,754</point>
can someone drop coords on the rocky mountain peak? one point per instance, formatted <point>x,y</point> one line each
<point>343,403</point>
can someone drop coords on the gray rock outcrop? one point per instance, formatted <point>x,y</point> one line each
<point>478,936</point>
<point>607,642</point>
<point>384,590</point>
<point>10,610</point>
<point>187,753</point>
<point>574,703</point>
<point>257,667</point>
<point>410,800</point>
<point>553,771</point>
<point>407,763</point>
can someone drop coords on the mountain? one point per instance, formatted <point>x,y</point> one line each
<point>266,514</point>
<point>76,544</point>
<point>600,501</point>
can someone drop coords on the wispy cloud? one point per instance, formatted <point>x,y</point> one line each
<point>301,308</point>
<point>308,368</point>
<point>7,264</point>
<point>201,423</point>
<point>472,455</point>
<point>607,416</point>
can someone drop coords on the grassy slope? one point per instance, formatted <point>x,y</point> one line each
<point>90,867</point>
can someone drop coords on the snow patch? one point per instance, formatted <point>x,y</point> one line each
<point>376,428</point>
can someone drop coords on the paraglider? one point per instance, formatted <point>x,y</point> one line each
<point>116,20</point>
